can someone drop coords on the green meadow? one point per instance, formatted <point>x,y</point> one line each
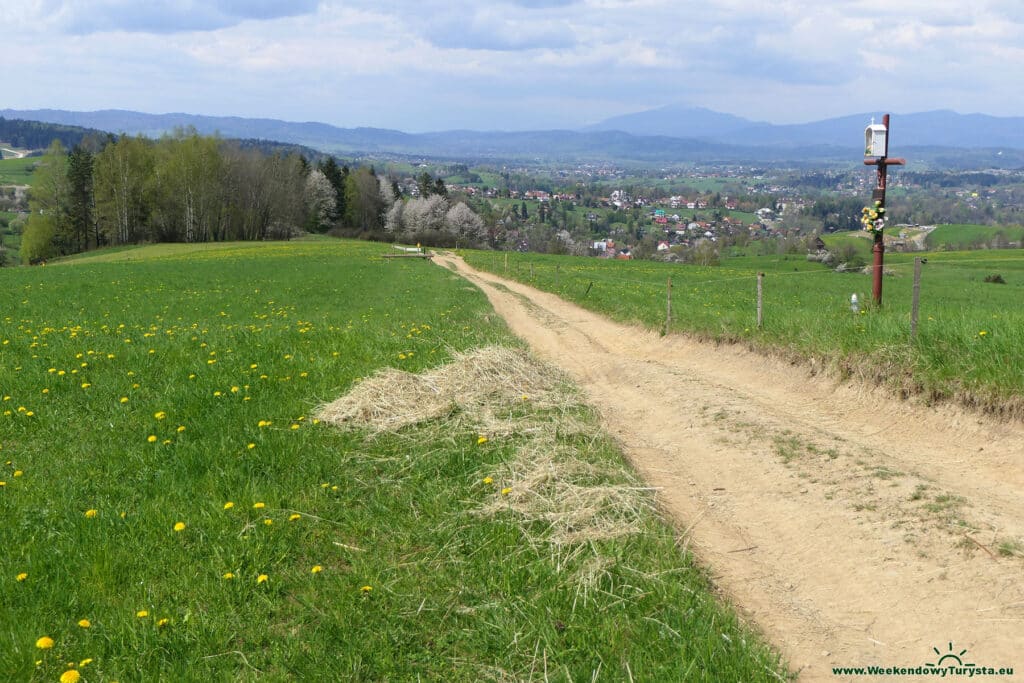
<point>173,509</point>
<point>17,171</point>
<point>969,347</point>
<point>965,236</point>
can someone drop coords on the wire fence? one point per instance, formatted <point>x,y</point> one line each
<point>928,276</point>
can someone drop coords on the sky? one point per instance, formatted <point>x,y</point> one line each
<point>428,65</point>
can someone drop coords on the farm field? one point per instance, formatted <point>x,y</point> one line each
<point>969,347</point>
<point>963,236</point>
<point>17,171</point>
<point>175,509</point>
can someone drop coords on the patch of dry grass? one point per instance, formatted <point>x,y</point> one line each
<point>558,497</point>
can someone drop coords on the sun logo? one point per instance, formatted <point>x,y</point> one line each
<point>949,658</point>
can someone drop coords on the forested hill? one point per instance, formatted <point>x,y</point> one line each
<point>38,135</point>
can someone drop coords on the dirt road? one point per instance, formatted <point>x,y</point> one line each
<point>853,529</point>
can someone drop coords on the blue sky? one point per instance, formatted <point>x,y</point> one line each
<point>511,64</point>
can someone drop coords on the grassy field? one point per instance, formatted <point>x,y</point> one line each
<point>969,345</point>
<point>17,171</point>
<point>965,236</point>
<point>173,510</point>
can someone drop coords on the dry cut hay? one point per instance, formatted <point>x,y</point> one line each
<point>569,498</point>
<point>556,497</point>
<point>481,383</point>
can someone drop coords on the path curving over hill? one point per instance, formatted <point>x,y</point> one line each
<point>853,529</point>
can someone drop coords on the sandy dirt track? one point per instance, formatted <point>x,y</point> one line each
<point>853,529</point>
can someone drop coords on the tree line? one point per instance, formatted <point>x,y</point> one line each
<point>186,187</point>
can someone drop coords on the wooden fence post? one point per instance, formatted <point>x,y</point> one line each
<point>668,305</point>
<point>915,300</point>
<point>760,300</point>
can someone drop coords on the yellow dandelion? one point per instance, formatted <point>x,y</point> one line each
<point>160,415</point>
<point>18,473</point>
<point>91,513</point>
<point>324,485</point>
<point>179,526</point>
<point>316,569</point>
<point>295,426</point>
<point>506,491</point>
<point>86,385</point>
<point>294,516</point>
<point>268,521</point>
<point>488,480</point>
<point>234,390</point>
<point>228,505</point>
<point>151,438</point>
<point>44,643</point>
<point>22,576</point>
<point>481,439</point>
<point>982,333</point>
<point>70,676</point>
<point>228,576</point>
<point>85,662</point>
<point>84,623</point>
<point>180,429</point>
<point>142,614</point>
<point>163,622</point>
<point>262,578</point>
<point>366,589</point>
<point>258,506</point>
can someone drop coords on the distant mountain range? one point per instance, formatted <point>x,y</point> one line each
<point>942,128</point>
<point>664,135</point>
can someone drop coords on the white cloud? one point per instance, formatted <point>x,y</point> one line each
<point>513,63</point>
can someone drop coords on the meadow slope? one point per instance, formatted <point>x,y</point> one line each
<point>176,505</point>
